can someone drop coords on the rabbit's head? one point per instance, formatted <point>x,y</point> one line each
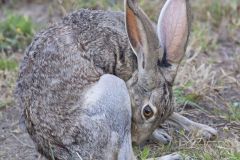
<point>158,54</point>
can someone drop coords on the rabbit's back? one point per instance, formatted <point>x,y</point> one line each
<point>62,63</point>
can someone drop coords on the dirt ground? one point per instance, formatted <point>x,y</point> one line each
<point>217,85</point>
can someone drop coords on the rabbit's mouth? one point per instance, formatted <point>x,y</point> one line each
<point>141,132</point>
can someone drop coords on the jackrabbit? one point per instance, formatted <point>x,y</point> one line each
<point>88,93</point>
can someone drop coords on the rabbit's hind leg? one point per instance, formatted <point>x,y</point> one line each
<point>108,107</point>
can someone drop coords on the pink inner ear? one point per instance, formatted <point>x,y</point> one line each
<point>133,30</point>
<point>173,29</point>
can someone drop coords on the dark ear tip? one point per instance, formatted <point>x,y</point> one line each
<point>164,63</point>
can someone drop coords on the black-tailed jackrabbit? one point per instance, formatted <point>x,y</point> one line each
<point>88,92</point>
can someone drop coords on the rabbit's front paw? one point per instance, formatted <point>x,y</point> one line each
<point>161,136</point>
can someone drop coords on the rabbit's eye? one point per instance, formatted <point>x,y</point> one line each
<point>147,112</point>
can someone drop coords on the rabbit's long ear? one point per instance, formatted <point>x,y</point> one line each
<point>173,29</point>
<point>143,39</point>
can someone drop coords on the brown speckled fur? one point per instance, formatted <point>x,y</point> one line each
<point>59,65</point>
<point>68,59</point>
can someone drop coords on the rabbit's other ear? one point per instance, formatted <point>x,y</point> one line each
<point>142,36</point>
<point>173,29</point>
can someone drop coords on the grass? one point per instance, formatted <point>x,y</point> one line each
<point>7,84</point>
<point>7,64</point>
<point>95,4</point>
<point>182,97</point>
<point>16,33</point>
<point>234,112</point>
<point>203,39</point>
<point>219,10</point>
<point>213,150</point>
<point>144,153</point>
<point>67,6</point>
<point>4,104</point>
<point>8,75</point>
<point>192,148</point>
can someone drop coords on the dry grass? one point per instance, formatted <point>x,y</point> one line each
<point>7,83</point>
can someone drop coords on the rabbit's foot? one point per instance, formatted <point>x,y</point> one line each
<point>201,130</point>
<point>204,131</point>
<point>174,156</point>
<point>160,135</point>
